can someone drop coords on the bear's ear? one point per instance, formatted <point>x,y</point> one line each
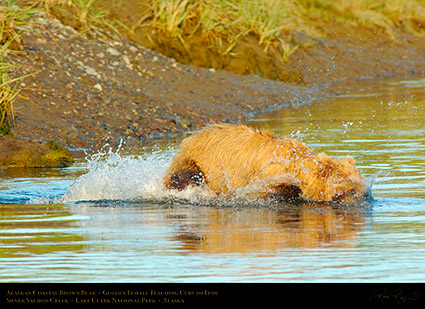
<point>323,157</point>
<point>350,160</point>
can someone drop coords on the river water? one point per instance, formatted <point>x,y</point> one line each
<point>107,218</point>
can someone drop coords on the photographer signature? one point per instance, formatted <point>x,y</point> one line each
<point>395,295</point>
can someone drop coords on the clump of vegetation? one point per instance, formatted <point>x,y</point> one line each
<point>86,16</point>
<point>13,19</point>
<point>8,92</point>
<point>18,153</point>
<point>58,155</point>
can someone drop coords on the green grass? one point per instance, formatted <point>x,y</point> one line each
<point>50,154</point>
<point>273,22</point>
<point>92,15</point>
<point>8,93</point>
<point>87,15</point>
<point>222,24</point>
<point>13,20</point>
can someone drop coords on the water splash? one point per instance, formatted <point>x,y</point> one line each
<point>114,176</point>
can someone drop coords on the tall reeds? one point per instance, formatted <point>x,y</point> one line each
<point>12,21</point>
<point>272,21</point>
<point>222,24</point>
<point>88,15</point>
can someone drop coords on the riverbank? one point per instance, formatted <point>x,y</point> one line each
<point>88,90</point>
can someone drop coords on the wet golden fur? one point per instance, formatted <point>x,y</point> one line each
<point>230,157</point>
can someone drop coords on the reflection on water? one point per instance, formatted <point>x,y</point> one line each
<point>109,220</point>
<point>27,230</point>
<point>142,241</point>
<point>260,229</point>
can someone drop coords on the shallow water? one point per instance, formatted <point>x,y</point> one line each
<point>108,219</point>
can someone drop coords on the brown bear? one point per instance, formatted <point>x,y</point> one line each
<point>232,157</point>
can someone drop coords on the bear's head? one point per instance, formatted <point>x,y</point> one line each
<point>341,181</point>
